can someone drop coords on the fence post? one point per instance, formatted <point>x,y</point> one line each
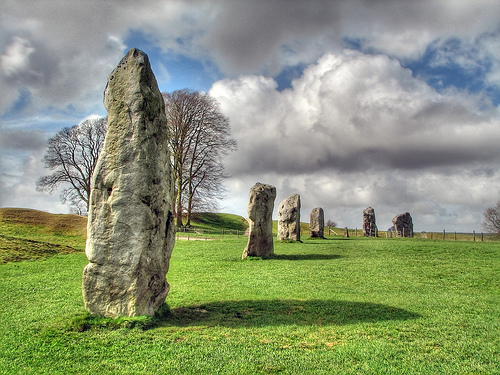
<point>455,235</point>
<point>474,235</point>
<point>444,234</point>
<point>481,236</point>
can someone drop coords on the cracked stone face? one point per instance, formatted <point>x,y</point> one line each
<point>289,219</point>
<point>130,232</point>
<point>369,225</point>
<point>403,225</point>
<point>317,222</point>
<point>260,210</point>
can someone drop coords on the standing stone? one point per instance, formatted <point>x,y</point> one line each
<point>289,219</point>
<point>317,223</point>
<point>403,225</point>
<point>346,232</point>
<point>260,211</point>
<point>130,231</point>
<point>369,226</point>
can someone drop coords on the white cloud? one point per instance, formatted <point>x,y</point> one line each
<point>15,60</point>
<point>358,130</point>
<point>404,29</point>
<point>70,48</point>
<point>356,111</point>
<point>490,51</point>
<point>18,176</point>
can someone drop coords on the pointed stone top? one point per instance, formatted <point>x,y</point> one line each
<point>140,56</point>
<point>132,75</point>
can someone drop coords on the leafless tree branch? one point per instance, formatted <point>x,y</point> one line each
<point>72,156</point>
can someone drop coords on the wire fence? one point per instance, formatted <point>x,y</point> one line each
<point>184,233</point>
<point>444,235</point>
<point>212,234</point>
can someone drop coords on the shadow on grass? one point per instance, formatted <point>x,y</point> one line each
<point>281,312</point>
<point>304,256</point>
<point>249,313</point>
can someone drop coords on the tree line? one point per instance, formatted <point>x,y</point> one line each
<point>199,138</point>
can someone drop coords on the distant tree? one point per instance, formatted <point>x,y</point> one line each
<point>72,156</point>
<point>331,223</point>
<point>491,218</point>
<point>199,138</point>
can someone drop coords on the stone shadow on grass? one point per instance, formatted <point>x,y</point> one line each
<point>282,312</point>
<point>304,256</point>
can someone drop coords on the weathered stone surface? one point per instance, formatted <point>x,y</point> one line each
<point>317,222</point>
<point>346,232</point>
<point>369,225</point>
<point>403,225</point>
<point>130,233</point>
<point>289,219</point>
<point>260,210</point>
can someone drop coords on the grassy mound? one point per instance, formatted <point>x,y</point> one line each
<point>208,220</point>
<point>27,234</point>
<point>63,224</point>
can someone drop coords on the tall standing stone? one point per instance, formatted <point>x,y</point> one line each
<point>130,232</point>
<point>260,211</point>
<point>369,225</point>
<point>403,225</point>
<point>317,222</point>
<point>289,219</point>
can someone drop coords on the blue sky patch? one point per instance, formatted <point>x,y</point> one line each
<point>287,75</point>
<point>454,64</point>
<point>175,71</point>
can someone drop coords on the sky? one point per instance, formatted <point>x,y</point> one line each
<point>391,104</point>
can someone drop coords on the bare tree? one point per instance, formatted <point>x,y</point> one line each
<point>199,138</point>
<point>72,156</point>
<point>491,218</point>
<point>331,223</point>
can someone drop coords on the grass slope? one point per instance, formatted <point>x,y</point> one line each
<point>27,234</point>
<point>218,221</point>
<point>30,234</point>
<point>51,223</point>
<point>347,306</point>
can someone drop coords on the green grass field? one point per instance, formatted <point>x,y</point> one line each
<point>350,306</point>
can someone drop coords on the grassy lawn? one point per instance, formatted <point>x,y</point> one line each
<point>357,305</point>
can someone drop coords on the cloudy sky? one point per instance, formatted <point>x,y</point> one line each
<point>385,103</point>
